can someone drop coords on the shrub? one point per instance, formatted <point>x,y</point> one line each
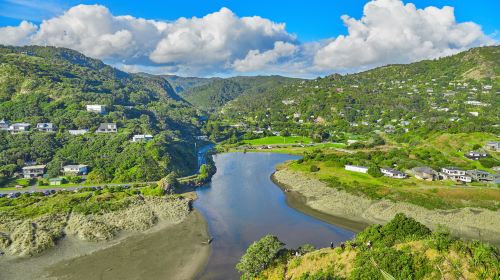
<point>306,248</point>
<point>259,256</point>
<point>441,239</point>
<point>314,168</point>
<point>374,171</point>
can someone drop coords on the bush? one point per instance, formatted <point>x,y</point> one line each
<point>314,168</point>
<point>259,256</point>
<point>374,171</point>
<point>306,248</point>
<point>441,239</point>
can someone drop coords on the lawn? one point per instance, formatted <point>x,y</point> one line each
<point>275,140</point>
<point>432,195</point>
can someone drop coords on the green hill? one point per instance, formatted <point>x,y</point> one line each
<point>217,92</point>
<point>46,84</point>
<point>458,93</point>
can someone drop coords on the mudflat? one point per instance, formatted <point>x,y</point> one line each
<point>173,252</point>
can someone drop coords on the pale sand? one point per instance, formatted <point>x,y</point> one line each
<point>317,199</point>
<point>166,251</point>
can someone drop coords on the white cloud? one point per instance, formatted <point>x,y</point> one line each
<point>257,60</point>
<point>223,43</point>
<point>17,35</point>
<point>392,32</point>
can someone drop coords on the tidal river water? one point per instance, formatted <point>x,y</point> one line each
<point>242,204</point>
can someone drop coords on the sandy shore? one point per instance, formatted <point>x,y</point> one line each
<point>315,198</point>
<point>165,251</point>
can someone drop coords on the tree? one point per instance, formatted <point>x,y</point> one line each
<point>169,183</point>
<point>374,171</point>
<point>259,256</point>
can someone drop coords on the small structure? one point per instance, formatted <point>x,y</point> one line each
<point>45,127</point>
<point>201,137</point>
<point>107,128</point>
<point>475,155</point>
<point>56,181</point>
<point>4,125</point>
<point>77,169</point>
<point>95,108</point>
<point>142,138</point>
<point>425,173</point>
<point>480,175</point>
<point>33,171</point>
<point>78,131</point>
<point>493,145</point>
<point>465,179</point>
<point>19,128</point>
<point>451,173</point>
<point>356,168</point>
<point>393,173</point>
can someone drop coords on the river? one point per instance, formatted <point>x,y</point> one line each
<point>242,204</point>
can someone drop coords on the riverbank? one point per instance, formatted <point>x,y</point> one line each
<point>315,198</point>
<point>172,250</point>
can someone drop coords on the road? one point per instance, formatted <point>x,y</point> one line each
<point>200,156</point>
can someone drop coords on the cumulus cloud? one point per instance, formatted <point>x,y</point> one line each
<point>257,60</point>
<point>222,43</point>
<point>17,35</point>
<point>392,32</point>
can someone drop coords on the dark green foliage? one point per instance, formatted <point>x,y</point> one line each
<point>374,171</point>
<point>259,256</point>
<point>327,274</point>
<point>441,239</point>
<point>314,168</point>
<point>306,248</point>
<point>400,228</point>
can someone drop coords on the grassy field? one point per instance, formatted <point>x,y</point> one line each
<point>275,140</point>
<point>431,195</point>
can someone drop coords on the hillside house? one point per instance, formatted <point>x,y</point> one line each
<point>46,127</point>
<point>95,108</point>
<point>142,138</point>
<point>392,173</point>
<point>476,155</point>
<point>451,173</point>
<point>78,131</point>
<point>33,171</point>
<point>493,145</point>
<point>4,125</point>
<point>77,169</point>
<point>19,128</point>
<point>107,128</point>
<point>425,173</point>
<point>480,175</point>
<point>355,168</point>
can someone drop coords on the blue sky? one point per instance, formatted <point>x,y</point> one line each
<point>311,25</point>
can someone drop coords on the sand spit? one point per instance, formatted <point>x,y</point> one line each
<point>29,237</point>
<point>473,223</point>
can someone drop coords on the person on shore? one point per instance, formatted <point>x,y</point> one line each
<point>331,245</point>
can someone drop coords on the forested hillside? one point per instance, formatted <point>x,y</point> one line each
<point>458,93</point>
<point>217,92</point>
<point>54,85</point>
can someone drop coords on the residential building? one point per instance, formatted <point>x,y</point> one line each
<point>465,179</point>
<point>475,155</point>
<point>76,169</point>
<point>4,125</point>
<point>56,181</point>
<point>46,127</point>
<point>33,171</point>
<point>19,128</point>
<point>107,128</point>
<point>78,131</point>
<point>425,173</point>
<point>201,137</point>
<point>392,173</point>
<point>480,175</point>
<point>142,137</point>
<point>493,145</point>
<point>451,173</point>
<point>355,168</point>
<point>95,108</point>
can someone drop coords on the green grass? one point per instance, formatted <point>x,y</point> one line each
<point>275,140</point>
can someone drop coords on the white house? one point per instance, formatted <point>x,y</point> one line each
<point>95,108</point>
<point>78,169</point>
<point>4,125</point>
<point>78,131</point>
<point>45,127</point>
<point>33,171</point>
<point>355,168</point>
<point>107,128</point>
<point>493,145</point>
<point>19,128</point>
<point>142,137</point>
<point>452,173</point>
<point>393,173</point>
